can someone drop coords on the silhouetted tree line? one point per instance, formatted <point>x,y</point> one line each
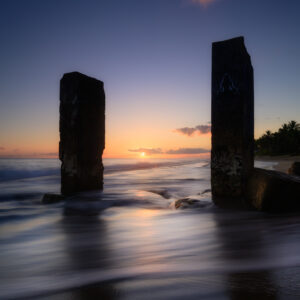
<point>286,141</point>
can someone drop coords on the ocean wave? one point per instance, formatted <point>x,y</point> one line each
<point>13,174</point>
<point>13,169</point>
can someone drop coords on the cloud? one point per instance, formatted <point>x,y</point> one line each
<point>187,151</point>
<point>17,154</point>
<point>148,151</point>
<point>2,148</point>
<point>199,130</point>
<point>203,129</point>
<point>55,154</point>
<point>203,2</point>
<point>186,130</point>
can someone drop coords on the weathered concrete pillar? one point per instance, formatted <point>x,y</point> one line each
<point>82,133</point>
<point>232,120</point>
<point>273,191</point>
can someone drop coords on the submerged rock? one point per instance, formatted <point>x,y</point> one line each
<point>52,198</point>
<point>85,206</point>
<point>191,203</point>
<point>295,169</point>
<point>164,193</point>
<point>205,192</point>
<point>273,191</point>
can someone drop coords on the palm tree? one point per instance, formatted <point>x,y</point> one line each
<point>293,126</point>
<point>285,141</point>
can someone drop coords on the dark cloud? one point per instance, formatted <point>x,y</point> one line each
<point>2,148</point>
<point>199,129</point>
<point>187,151</point>
<point>46,154</point>
<point>203,129</point>
<point>148,151</point>
<point>16,154</point>
<point>186,130</point>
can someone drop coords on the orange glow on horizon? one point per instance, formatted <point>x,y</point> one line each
<point>118,142</point>
<point>106,154</point>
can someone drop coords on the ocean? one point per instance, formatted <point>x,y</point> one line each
<point>129,241</point>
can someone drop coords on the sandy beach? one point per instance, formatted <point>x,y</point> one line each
<point>284,162</point>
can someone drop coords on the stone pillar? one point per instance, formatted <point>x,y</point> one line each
<point>232,156</point>
<point>82,133</point>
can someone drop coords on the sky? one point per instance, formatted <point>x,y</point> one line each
<point>154,57</point>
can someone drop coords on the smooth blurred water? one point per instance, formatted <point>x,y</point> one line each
<point>129,241</point>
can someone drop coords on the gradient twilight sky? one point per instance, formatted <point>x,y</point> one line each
<point>154,57</point>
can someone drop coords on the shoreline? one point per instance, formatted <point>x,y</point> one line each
<point>284,162</point>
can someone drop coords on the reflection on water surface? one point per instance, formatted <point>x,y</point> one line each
<point>135,245</point>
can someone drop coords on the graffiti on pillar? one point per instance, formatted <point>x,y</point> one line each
<point>227,85</point>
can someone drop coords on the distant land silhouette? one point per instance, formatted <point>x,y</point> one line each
<point>285,141</point>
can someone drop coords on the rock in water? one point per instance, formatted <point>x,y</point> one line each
<point>52,198</point>
<point>232,119</point>
<point>82,133</point>
<point>295,169</point>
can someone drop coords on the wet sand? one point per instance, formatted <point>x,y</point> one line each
<point>284,162</point>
